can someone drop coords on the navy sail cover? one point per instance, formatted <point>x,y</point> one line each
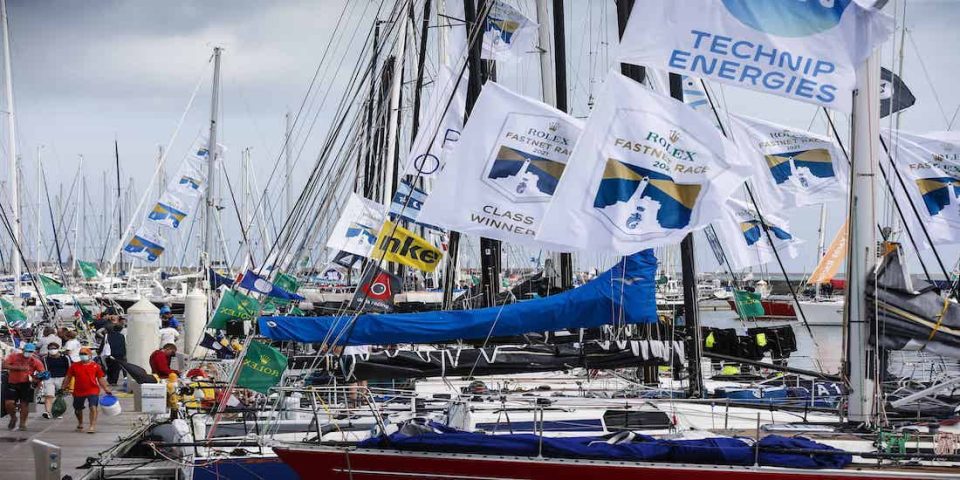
<point>624,294</point>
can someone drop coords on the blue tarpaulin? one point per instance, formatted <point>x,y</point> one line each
<point>623,294</point>
<point>797,452</point>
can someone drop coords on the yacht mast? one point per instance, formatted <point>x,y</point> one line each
<point>862,247</point>
<point>210,225</point>
<point>14,191</point>
<point>288,207</point>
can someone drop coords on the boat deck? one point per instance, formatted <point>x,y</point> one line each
<point>16,452</point>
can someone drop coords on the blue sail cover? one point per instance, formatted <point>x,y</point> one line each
<point>623,294</point>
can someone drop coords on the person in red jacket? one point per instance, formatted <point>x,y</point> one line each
<point>20,382</point>
<point>160,361</point>
<point>88,379</point>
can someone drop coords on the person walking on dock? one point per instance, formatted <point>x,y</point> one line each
<point>113,349</point>
<point>21,367</point>
<point>57,364</point>
<point>88,379</point>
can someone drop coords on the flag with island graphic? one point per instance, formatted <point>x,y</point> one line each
<point>792,167</point>
<point>511,156</point>
<point>646,171</point>
<point>750,239</point>
<point>806,50</point>
<point>146,244</point>
<point>262,367</point>
<point>929,166</point>
<point>356,230</point>
<point>508,33</point>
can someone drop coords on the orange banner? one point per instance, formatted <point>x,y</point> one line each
<point>832,258</point>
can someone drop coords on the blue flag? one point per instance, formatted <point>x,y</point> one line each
<point>255,283</point>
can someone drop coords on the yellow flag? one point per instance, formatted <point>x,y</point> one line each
<point>832,259</point>
<point>397,244</point>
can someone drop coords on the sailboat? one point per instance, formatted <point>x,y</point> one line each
<point>840,450</point>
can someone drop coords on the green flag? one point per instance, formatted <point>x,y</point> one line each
<point>286,282</point>
<point>262,367</point>
<point>51,286</point>
<point>233,306</point>
<point>748,303</point>
<point>87,269</point>
<point>13,315</point>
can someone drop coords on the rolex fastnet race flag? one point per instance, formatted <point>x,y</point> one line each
<point>807,50</point>
<point>356,231</point>
<point>791,167</point>
<point>930,167</point>
<point>646,171</point>
<point>745,240</point>
<point>512,154</point>
<point>508,33</point>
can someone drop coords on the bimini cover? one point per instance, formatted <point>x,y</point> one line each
<point>623,294</point>
<point>775,451</point>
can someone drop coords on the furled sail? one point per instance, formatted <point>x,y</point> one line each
<point>623,294</point>
<point>912,314</point>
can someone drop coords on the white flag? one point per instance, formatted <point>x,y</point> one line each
<point>746,242</point>
<point>147,244</point>
<point>930,168</point>
<point>441,129</point>
<point>807,50</point>
<point>646,171</point>
<point>356,231</point>
<point>509,34</point>
<point>172,208</point>
<point>791,167</point>
<point>191,177</point>
<point>512,154</point>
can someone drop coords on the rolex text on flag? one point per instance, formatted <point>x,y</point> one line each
<point>646,171</point>
<point>807,50</point>
<point>511,156</point>
<point>929,165</point>
<point>261,368</point>
<point>792,167</point>
<point>397,244</point>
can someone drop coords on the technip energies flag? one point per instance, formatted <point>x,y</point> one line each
<point>646,171</point>
<point>807,50</point>
<point>930,167</point>
<point>746,242</point>
<point>356,231</point>
<point>512,154</point>
<point>792,167</point>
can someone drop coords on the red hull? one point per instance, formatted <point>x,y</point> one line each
<point>332,463</point>
<point>773,308</point>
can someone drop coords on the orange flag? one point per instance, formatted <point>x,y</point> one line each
<point>832,258</point>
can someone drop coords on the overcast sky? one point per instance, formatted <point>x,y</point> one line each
<point>88,72</point>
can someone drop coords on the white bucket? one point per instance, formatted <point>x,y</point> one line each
<point>110,405</point>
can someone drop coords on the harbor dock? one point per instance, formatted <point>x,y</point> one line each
<point>79,450</point>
